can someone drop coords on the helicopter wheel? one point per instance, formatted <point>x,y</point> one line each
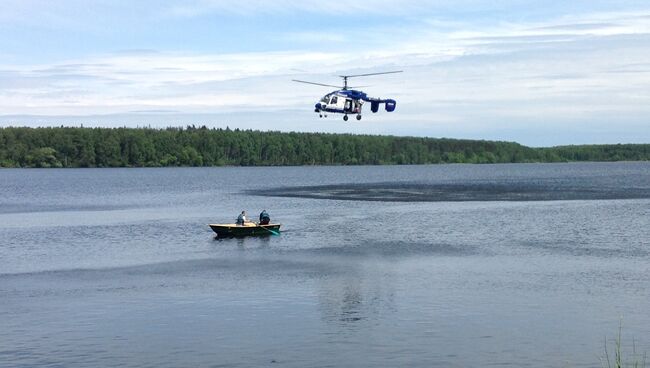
<point>345,118</point>
<point>359,117</point>
<point>321,115</point>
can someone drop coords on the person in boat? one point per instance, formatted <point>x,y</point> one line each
<point>265,219</point>
<point>241,219</point>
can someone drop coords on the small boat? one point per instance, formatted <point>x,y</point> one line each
<point>248,229</point>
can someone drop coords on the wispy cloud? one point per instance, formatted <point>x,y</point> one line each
<point>460,74</point>
<point>195,8</point>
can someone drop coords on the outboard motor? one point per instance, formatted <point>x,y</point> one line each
<point>374,106</point>
<point>390,105</point>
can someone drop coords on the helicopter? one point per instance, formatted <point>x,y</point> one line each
<point>347,100</point>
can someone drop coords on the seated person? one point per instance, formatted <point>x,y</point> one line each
<point>348,105</point>
<point>265,219</point>
<point>241,219</point>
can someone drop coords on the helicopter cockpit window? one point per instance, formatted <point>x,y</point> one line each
<point>334,99</point>
<point>325,99</point>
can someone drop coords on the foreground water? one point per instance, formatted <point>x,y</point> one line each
<point>450,266</point>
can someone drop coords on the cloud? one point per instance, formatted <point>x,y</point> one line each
<point>461,77</point>
<point>578,27</point>
<point>350,9</point>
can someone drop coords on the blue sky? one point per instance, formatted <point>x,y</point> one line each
<point>540,73</point>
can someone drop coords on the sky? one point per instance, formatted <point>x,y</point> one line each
<point>539,73</point>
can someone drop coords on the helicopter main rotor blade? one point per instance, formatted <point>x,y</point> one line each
<point>368,74</point>
<point>317,84</point>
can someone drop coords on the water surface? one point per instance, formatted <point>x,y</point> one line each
<point>449,265</point>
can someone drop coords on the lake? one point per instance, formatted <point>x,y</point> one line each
<point>524,265</point>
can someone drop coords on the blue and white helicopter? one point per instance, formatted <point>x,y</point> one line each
<point>348,101</point>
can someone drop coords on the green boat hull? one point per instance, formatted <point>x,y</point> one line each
<point>229,231</point>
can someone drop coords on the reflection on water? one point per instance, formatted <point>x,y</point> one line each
<point>351,297</point>
<point>342,302</point>
<point>118,267</point>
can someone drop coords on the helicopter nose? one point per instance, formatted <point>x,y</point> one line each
<point>317,106</point>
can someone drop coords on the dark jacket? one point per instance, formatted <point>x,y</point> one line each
<point>265,218</point>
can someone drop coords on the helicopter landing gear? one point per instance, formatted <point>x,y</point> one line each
<point>345,118</point>
<point>320,116</point>
<point>359,117</point>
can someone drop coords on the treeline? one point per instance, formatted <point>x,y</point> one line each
<point>192,146</point>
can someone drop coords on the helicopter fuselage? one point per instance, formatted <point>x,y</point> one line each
<point>347,101</point>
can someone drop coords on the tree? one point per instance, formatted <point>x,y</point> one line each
<point>113,147</point>
<point>43,157</point>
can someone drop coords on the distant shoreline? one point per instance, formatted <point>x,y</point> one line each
<point>72,147</point>
<point>322,165</point>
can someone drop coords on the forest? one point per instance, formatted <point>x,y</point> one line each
<point>202,146</point>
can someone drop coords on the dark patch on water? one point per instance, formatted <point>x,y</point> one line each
<point>175,268</point>
<point>538,190</point>
<point>393,249</point>
<point>160,276</point>
<point>580,249</point>
<point>11,208</point>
